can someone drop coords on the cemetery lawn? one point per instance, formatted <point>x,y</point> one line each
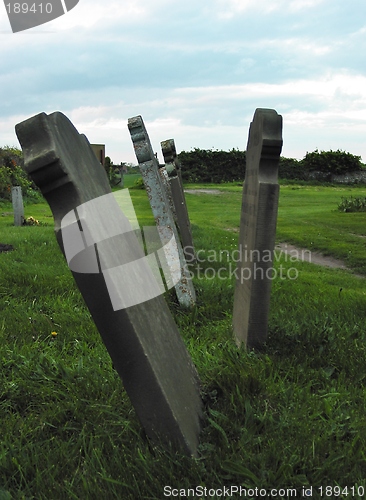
<point>289,416</point>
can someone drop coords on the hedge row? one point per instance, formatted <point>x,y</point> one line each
<point>226,166</point>
<point>202,165</point>
<point>205,165</point>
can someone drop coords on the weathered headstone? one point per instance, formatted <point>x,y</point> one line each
<point>175,177</point>
<point>257,229</point>
<point>164,219</point>
<point>18,206</point>
<point>108,266</point>
<point>168,190</point>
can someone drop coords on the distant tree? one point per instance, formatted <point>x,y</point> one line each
<point>108,165</point>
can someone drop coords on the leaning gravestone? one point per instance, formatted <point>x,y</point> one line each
<point>159,203</point>
<point>18,206</point>
<point>115,280</point>
<point>257,229</point>
<point>173,169</point>
<point>168,190</point>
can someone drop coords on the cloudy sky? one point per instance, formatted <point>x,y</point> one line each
<point>195,70</point>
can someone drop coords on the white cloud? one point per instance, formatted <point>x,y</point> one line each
<point>227,9</point>
<point>296,5</point>
<point>331,109</point>
<point>333,88</point>
<point>94,14</point>
<point>194,71</point>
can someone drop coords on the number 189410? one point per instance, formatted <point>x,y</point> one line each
<point>337,491</point>
<point>24,8</point>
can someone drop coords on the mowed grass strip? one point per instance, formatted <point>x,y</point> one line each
<point>291,415</point>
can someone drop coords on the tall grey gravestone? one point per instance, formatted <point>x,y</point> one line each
<point>159,203</point>
<point>117,284</point>
<point>257,229</point>
<point>172,166</point>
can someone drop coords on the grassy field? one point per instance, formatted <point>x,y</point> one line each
<point>289,416</point>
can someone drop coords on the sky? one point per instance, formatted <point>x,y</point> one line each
<point>195,70</point>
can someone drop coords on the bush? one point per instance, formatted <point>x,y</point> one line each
<point>212,166</point>
<point>138,184</point>
<point>228,166</point>
<point>291,169</point>
<point>12,174</point>
<point>352,204</point>
<point>331,162</point>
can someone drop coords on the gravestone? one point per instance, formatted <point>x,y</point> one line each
<point>172,166</point>
<point>168,190</point>
<point>159,203</point>
<point>257,229</point>
<point>116,282</point>
<point>18,206</point>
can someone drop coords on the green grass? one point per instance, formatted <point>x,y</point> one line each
<point>129,179</point>
<point>291,415</point>
<point>308,216</point>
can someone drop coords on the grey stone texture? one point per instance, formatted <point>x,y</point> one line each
<point>257,229</point>
<point>168,191</point>
<point>143,340</point>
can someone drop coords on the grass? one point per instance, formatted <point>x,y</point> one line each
<point>291,415</point>
<point>308,217</point>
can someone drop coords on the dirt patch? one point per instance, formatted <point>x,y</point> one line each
<point>358,235</point>
<point>199,191</point>
<point>304,254</point>
<point>309,256</point>
<point>6,248</point>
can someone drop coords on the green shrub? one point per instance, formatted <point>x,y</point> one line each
<point>291,169</point>
<point>217,166</point>
<point>332,162</point>
<point>352,204</point>
<point>138,184</point>
<point>12,174</point>
<point>212,166</point>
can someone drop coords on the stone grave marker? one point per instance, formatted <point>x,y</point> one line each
<point>159,203</point>
<point>168,190</point>
<point>173,169</point>
<point>18,206</point>
<point>115,280</point>
<point>257,229</point>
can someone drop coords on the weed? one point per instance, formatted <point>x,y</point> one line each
<point>352,204</point>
